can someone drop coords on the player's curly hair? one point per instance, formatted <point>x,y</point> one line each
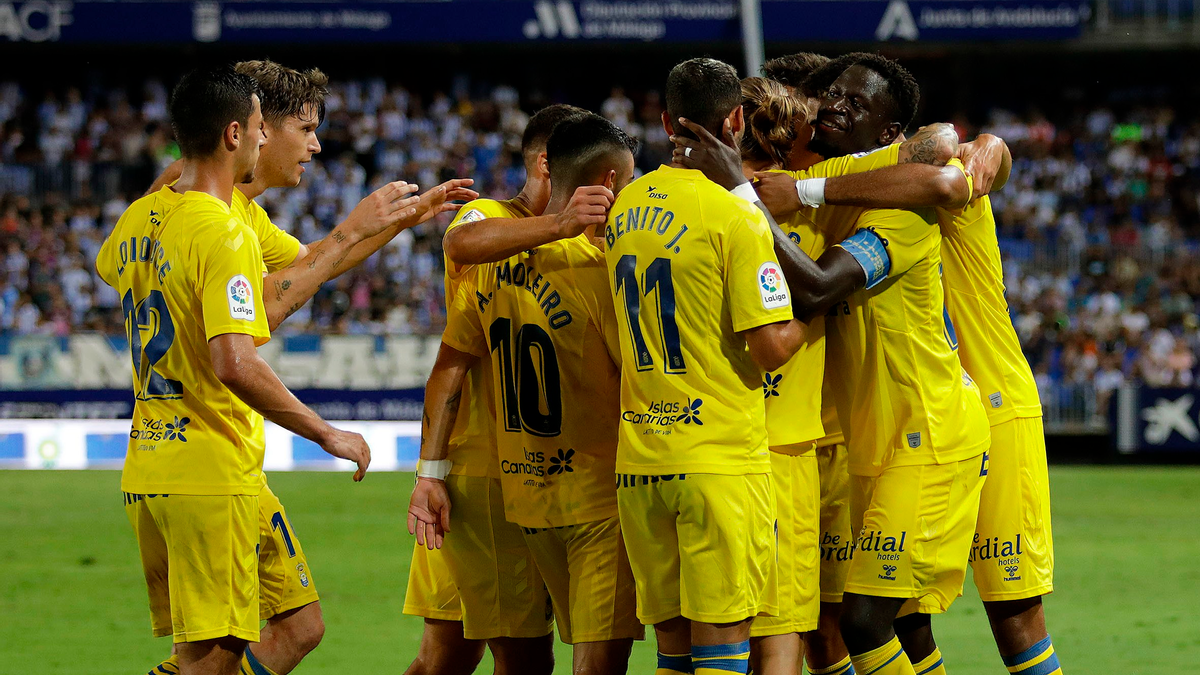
<point>792,70</point>
<point>902,86</point>
<point>771,114</point>
<point>287,92</point>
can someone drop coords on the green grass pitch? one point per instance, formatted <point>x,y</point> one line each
<point>72,598</point>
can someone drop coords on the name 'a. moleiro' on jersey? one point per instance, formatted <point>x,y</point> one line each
<point>526,276</point>
<point>654,220</point>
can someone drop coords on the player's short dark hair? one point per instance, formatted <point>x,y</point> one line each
<point>204,102</point>
<point>286,92</point>
<point>576,146</point>
<point>902,86</point>
<point>792,70</point>
<point>704,91</point>
<point>542,125</point>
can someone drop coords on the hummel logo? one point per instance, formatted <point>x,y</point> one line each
<point>888,571</point>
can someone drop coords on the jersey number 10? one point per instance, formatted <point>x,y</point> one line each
<point>525,383</point>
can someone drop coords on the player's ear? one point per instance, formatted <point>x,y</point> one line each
<point>666,121</point>
<point>890,133</point>
<point>232,136</point>
<point>737,122</point>
<point>543,165</point>
<point>610,179</point>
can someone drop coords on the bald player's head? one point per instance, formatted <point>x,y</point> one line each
<point>587,150</point>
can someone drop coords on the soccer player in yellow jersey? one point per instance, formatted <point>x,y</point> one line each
<point>546,319</point>
<point>1012,553</point>
<point>190,273</point>
<point>506,603</point>
<point>293,107</point>
<point>704,310</point>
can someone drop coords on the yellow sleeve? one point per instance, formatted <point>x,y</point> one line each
<point>951,221</point>
<point>464,328</point>
<point>591,279</point>
<point>856,163</point>
<point>754,283</point>
<point>480,209</point>
<point>279,249</point>
<point>230,269</point>
<point>888,242</point>
<point>106,265</point>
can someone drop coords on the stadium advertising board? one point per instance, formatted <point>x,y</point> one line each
<point>101,444</point>
<point>513,21</point>
<point>1149,419</point>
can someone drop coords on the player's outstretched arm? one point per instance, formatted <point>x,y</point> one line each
<point>494,239</point>
<point>286,290</point>
<point>238,366</point>
<point>904,186</point>
<point>933,144</point>
<point>429,506</point>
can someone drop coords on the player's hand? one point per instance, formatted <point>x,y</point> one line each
<point>429,512</point>
<point>382,209</point>
<point>441,200</point>
<point>982,158</point>
<point>719,161</point>
<point>588,206</point>
<point>351,446</point>
<point>777,191</point>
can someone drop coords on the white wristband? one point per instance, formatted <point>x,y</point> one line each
<point>811,191</point>
<point>433,468</point>
<point>745,191</point>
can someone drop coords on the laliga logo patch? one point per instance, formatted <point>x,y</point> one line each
<point>772,286</point>
<point>471,216</point>
<point>241,298</point>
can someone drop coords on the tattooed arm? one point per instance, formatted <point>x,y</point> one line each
<point>935,144</point>
<point>429,506</point>
<point>374,222</point>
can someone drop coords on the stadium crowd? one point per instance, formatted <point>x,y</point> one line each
<point>1098,223</point>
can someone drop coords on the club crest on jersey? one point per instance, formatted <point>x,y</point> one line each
<point>303,575</point>
<point>241,298</point>
<point>772,287</point>
<point>996,399</point>
<point>914,439</point>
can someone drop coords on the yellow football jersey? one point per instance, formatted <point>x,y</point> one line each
<point>187,269</point>
<point>902,395</point>
<point>988,344</point>
<point>796,409</point>
<point>279,249</point>
<point>691,266</point>
<point>546,320</point>
<point>472,441</point>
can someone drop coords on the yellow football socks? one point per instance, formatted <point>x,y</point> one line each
<point>251,666</point>
<point>674,664</point>
<point>889,659</point>
<point>1039,659</point>
<point>721,659</point>
<point>931,665</point>
<point>843,667</point>
<point>168,667</point>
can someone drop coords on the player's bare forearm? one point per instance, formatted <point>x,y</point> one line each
<point>816,285</point>
<point>239,367</point>
<point>288,289</point>
<point>168,176</point>
<point>933,144</point>
<point>494,239</point>
<point>904,186</point>
<point>443,393</point>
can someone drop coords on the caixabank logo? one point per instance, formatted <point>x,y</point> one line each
<point>664,415</point>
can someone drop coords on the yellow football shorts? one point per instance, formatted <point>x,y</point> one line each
<point>915,525</point>
<point>431,592</point>
<point>587,573</point>
<point>837,538</point>
<point>501,592</point>
<point>285,580</point>
<point>798,504</point>
<point>1012,555</point>
<point>701,546</point>
<point>198,555</point>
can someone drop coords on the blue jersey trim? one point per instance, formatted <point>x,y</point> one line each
<point>868,249</point>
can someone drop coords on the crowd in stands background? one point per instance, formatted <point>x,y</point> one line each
<point>1099,223</point>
